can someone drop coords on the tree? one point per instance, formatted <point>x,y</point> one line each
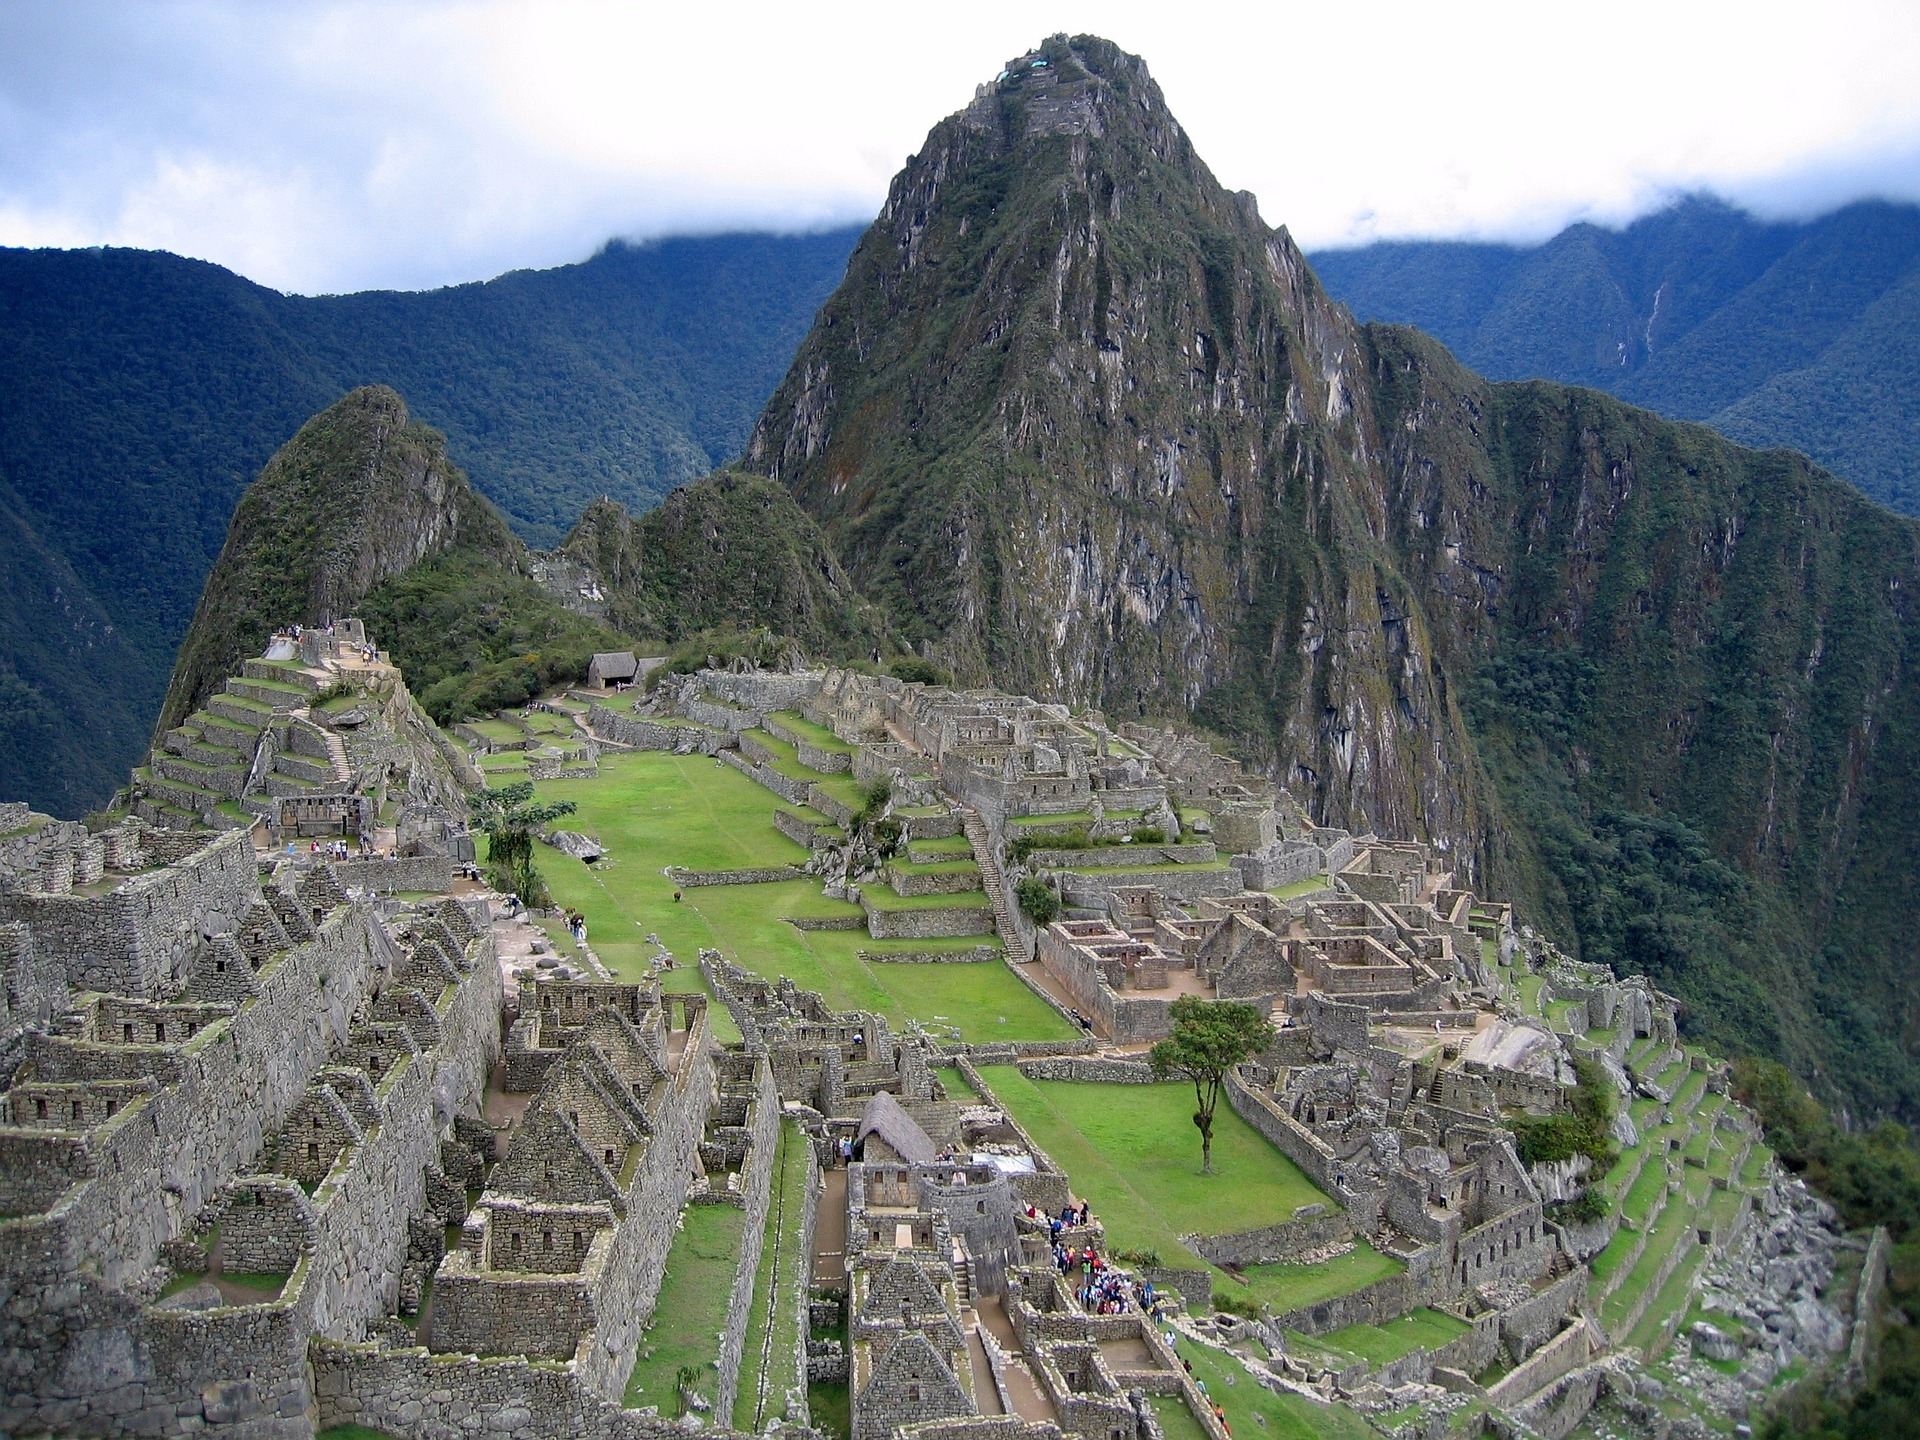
<point>509,818</point>
<point>1037,902</point>
<point>1210,1037</point>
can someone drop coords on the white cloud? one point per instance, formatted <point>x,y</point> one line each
<point>329,146</point>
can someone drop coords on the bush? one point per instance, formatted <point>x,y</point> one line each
<point>1235,1305</point>
<point>1030,840</point>
<point>886,838</point>
<point>1149,835</point>
<point>1582,1130</point>
<point>1037,902</point>
<point>914,670</point>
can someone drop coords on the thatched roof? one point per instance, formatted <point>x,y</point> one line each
<point>884,1117</point>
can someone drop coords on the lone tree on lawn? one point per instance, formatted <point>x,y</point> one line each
<point>509,819</point>
<point>1209,1038</point>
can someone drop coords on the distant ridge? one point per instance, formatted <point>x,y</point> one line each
<point>1805,334</point>
<point>140,393</point>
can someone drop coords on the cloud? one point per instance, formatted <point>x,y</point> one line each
<point>330,145</point>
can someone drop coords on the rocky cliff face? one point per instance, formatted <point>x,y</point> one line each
<point>1087,427</point>
<point>359,495</point>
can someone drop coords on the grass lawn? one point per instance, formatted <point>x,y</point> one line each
<point>1252,1409</point>
<point>691,1309</point>
<point>1300,887</point>
<point>651,809</point>
<point>945,845</point>
<point>773,1325</point>
<point>958,866</point>
<point>1068,822</point>
<point>1383,1344</point>
<point>817,736</point>
<point>955,1083</point>
<point>1134,1155</point>
<point>1176,1420</point>
<point>1288,1287</point>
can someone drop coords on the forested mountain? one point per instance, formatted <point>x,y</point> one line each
<point>1795,334</point>
<point>1082,424</point>
<point>140,393</point>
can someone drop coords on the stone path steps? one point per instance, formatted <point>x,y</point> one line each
<point>337,755</point>
<point>1011,935</point>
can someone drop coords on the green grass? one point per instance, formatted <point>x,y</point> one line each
<point>956,1083</point>
<point>351,1432</point>
<point>1288,1287</point>
<point>1252,1409</point>
<point>774,1288</point>
<point>691,1308</point>
<point>830,1407</point>
<point>817,736</point>
<point>1300,887</point>
<point>651,809</point>
<point>945,845</point>
<point>1176,1420</point>
<point>502,730</point>
<point>1382,1344</point>
<point>1134,1155</point>
<point>936,867</point>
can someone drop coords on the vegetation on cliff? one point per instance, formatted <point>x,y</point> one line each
<point>474,635</point>
<point>361,493</point>
<point>1796,333</point>
<point>730,550</point>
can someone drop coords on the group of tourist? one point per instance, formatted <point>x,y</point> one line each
<point>576,926</point>
<point>1070,1217</point>
<point>332,850</point>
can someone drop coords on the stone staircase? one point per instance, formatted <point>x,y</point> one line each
<point>337,757</point>
<point>1018,947</point>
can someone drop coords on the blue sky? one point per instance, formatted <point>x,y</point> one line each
<point>337,146</point>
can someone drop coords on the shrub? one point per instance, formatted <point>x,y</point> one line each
<point>1149,835</point>
<point>914,670</point>
<point>1037,902</point>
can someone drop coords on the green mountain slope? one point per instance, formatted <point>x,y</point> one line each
<point>1082,424</point>
<point>140,393</point>
<point>360,494</point>
<point>730,550</point>
<point>1776,334</point>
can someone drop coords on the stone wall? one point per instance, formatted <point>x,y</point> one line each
<point>1090,887</point>
<point>1424,1283</point>
<point>413,1395</point>
<point>432,874</point>
<point>978,955</point>
<point>691,879</point>
<point>639,732</point>
<point>101,1362</point>
<point>1088,1067</point>
<point>916,883</point>
<point>1283,1243</point>
<point>764,1125</point>
<point>138,940</point>
<point>929,923</point>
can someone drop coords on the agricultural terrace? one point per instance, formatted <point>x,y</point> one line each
<point>653,809</point>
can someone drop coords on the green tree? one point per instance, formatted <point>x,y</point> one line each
<point>1037,902</point>
<point>1209,1038</point>
<point>509,818</point>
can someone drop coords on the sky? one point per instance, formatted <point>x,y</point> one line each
<point>323,145</point>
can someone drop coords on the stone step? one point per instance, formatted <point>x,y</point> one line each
<point>240,709</point>
<point>225,781</point>
<point>193,799</point>
<point>303,767</point>
<point>274,694</point>
<point>286,674</point>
